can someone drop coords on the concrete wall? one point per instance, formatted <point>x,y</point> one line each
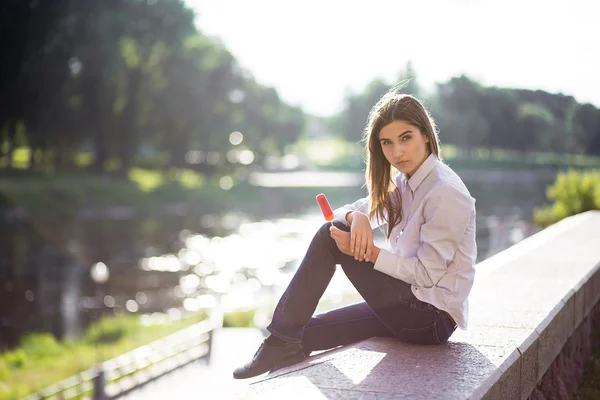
<point>533,310</point>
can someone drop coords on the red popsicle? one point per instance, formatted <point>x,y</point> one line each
<point>325,207</point>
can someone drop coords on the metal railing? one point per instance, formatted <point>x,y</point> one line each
<point>122,374</point>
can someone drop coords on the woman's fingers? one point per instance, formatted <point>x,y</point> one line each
<point>359,245</point>
<point>335,232</point>
<point>363,248</point>
<point>341,239</point>
<point>369,249</point>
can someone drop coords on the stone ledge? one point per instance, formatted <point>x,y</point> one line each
<point>524,308</point>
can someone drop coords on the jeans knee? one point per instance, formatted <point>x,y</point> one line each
<point>324,230</point>
<point>342,226</point>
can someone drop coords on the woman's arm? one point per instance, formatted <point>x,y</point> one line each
<point>447,213</point>
<point>345,214</point>
<point>350,216</point>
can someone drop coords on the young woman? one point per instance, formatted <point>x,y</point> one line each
<point>417,293</point>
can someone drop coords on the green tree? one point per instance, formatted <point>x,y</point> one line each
<point>572,193</point>
<point>459,116</point>
<point>586,121</point>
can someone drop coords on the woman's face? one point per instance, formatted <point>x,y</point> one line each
<point>404,146</point>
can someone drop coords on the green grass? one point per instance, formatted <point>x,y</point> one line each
<point>21,157</point>
<point>43,192</point>
<point>150,188</point>
<point>504,158</point>
<point>146,179</point>
<point>239,318</point>
<point>42,361</point>
<point>333,153</point>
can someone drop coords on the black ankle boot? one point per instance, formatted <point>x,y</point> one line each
<point>270,358</point>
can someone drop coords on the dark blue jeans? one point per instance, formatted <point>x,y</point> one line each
<point>390,308</point>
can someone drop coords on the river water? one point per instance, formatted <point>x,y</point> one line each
<point>182,259</point>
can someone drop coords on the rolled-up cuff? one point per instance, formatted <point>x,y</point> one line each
<point>340,215</point>
<point>386,263</point>
<point>292,335</point>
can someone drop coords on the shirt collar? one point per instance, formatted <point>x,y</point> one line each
<point>420,174</point>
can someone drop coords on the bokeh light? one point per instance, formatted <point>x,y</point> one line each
<point>236,138</point>
<point>132,306</point>
<point>246,157</point>
<point>226,182</point>
<point>99,272</point>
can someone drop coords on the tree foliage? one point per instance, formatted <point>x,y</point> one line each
<point>131,81</point>
<point>136,83</point>
<point>470,115</point>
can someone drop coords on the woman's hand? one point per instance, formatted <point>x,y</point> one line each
<point>342,239</point>
<point>361,235</point>
<point>362,248</point>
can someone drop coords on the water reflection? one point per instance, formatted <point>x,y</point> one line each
<point>182,259</point>
<point>240,267</point>
<point>250,267</point>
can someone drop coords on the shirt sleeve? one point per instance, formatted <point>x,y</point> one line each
<point>447,213</point>
<point>360,205</point>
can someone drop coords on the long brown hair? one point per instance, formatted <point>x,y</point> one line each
<point>393,106</point>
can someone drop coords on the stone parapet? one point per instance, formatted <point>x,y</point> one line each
<point>533,311</point>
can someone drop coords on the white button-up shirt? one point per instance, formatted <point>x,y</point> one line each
<point>434,245</point>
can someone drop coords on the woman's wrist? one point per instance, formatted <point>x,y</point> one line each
<point>351,214</point>
<point>376,251</point>
<point>349,217</point>
<point>372,256</point>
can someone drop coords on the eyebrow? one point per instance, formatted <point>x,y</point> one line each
<point>400,135</point>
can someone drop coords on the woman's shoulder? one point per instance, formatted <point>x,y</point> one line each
<point>448,183</point>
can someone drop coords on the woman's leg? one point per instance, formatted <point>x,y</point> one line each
<point>397,312</point>
<point>391,309</point>
<point>342,326</point>
<point>299,301</point>
<point>295,309</point>
<point>391,300</point>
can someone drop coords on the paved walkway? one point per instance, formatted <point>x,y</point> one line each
<point>232,347</point>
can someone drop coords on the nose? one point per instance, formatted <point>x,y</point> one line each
<point>398,151</point>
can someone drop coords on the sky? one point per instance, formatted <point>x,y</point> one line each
<point>315,51</point>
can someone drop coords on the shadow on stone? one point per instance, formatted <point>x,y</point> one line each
<point>379,367</point>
